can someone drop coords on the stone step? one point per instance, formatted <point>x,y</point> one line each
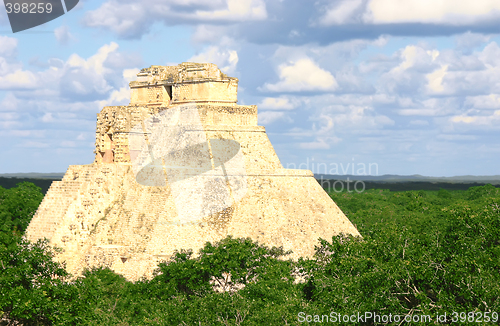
<point>56,202</point>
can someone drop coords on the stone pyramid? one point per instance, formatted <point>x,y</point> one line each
<point>181,165</point>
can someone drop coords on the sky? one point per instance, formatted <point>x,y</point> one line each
<point>342,87</point>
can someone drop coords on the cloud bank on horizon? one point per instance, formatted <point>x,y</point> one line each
<point>411,87</point>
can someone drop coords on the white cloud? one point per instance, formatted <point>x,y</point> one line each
<point>435,106</point>
<point>18,80</point>
<point>236,10</point>
<point>130,74</point>
<point>9,103</point>
<point>491,101</point>
<point>279,103</point>
<point>455,137</point>
<point>360,118</point>
<point>47,117</point>
<point>469,40</point>
<point>133,19</point>
<point>8,46</point>
<point>435,79</point>
<point>68,143</point>
<point>319,144</point>
<point>477,79</point>
<point>491,121</point>
<point>490,55</point>
<point>419,122</point>
<point>269,117</point>
<point>120,17</point>
<point>302,75</point>
<point>63,36</point>
<point>226,59</point>
<point>95,62</point>
<point>431,11</point>
<point>337,118</point>
<point>205,33</point>
<point>68,92</point>
<point>34,144</point>
<point>341,13</point>
<point>94,78</point>
<point>22,133</point>
<point>117,97</point>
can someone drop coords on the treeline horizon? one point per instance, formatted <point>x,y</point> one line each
<point>44,184</point>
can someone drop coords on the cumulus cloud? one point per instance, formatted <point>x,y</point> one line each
<point>97,77</point>
<point>279,103</point>
<point>468,121</point>
<point>422,70</point>
<point>342,12</point>
<point>66,94</point>
<point>63,36</point>
<point>225,59</point>
<point>335,119</point>
<point>409,75</point>
<point>321,143</point>
<point>489,102</point>
<point>47,117</point>
<point>357,118</point>
<point>428,11</point>
<point>205,33</point>
<point>435,79</point>
<point>302,75</point>
<point>324,135</point>
<point>8,46</point>
<point>34,144</point>
<point>131,19</point>
<point>236,10</point>
<point>468,41</point>
<point>117,97</point>
<point>436,106</point>
<point>269,117</point>
<point>419,122</point>
<point>18,80</point>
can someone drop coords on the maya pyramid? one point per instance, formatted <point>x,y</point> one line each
<point>181,165</point>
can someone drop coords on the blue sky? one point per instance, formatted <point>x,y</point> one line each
<point>410,87</point>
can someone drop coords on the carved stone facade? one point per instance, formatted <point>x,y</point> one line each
<point>101,216</point>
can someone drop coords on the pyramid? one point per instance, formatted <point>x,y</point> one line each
<point>183,164</point>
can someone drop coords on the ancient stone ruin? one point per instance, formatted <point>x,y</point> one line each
<point>181,165</point>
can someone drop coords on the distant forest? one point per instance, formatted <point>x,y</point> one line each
<point>328,185</point>
<point>336,185</point>
<point>8,183</point>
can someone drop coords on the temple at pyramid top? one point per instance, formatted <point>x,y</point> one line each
<point>185,83</point>
<point>160,88</point>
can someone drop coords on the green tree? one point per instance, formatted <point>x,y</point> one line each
<point>17,207</point>
<point>30,282</point>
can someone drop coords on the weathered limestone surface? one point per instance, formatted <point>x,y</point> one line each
<point>100,215</point>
